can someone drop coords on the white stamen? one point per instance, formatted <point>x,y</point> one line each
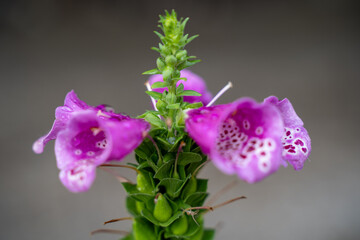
<point>148,87</point>
<point>221,92</point>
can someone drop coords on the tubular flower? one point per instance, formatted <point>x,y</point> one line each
<point>194,82</point>
<point>296,141</point>
<point>89,140</point>
<point>86,137</point>
<point>243,137</point>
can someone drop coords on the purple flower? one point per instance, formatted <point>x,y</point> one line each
<point>194,82</point>
<point>86,137</point>
<point>89,140</point>
<point>243,137</point>
<point>296,141</point>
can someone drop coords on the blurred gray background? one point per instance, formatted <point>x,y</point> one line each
<point>307,51</point>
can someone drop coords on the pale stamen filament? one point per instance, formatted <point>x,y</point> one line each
<point>221,92</point>
<point>148,87</point>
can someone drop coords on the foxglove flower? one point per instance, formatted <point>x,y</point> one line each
<point>242,138</point>
<point>193,82</point>
<point>86,137</point>
<point>89,140</point>
<point>296,141</point>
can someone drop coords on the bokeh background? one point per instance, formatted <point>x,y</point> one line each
<point>307,51</point>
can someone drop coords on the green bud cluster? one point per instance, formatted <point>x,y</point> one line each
<point>168,161</point>
<point>173,58</point>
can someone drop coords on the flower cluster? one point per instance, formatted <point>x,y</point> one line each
<point>174,141</point>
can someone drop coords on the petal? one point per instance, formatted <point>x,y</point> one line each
<point>193,82</point>
<point>125,136</point>
<point>296,141</point>
<point>38,146</point>
<point>287,111</point>
<point>73,102</point>
<point>243,137</point>
<point>202,125</point>
<point>79,176</point>
<point>62,115</point>
<point>296,146</point>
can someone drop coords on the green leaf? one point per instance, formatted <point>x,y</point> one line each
<point>175,146</point>
<point>191,38</point>
<point>194,105</point>
<point>201,185</point>
<point>149,111</point>
<point>173,106</point>
<point>209,234</point>
<point>152,72</point>
<point>180,89</point>
<point>128,237</point>
<point>135,194</point>
<point>196,199</point>
<point>159,35</point>
<point>143,165</point>
<point>149,216</point>
<point>189,93</point>
<point>131,206</point>
<point>156,49</point>
<point>169,156</point>
<point>172,186</point>
<point>154,120</point>
<point>159,85</point>
<point>164,144</point>
<point>188,63</point>
<point>148,159</point>
<point>154,94</point>
<point>188,157</point>
<point>165,170</point>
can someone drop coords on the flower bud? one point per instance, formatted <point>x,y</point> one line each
<point>143,183</point>
<point>180,55</point>
<point>171,60</point>
<point>143,230</point>
<point>180,226</point>
<point>165,50</point>
<point>160,64</point>
<point>162,210</point>
<point>168,71</point>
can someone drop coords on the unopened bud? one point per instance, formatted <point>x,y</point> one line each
<point>143,183</point>
<point>171,60</point>
<point>162,210</point>
<point>168,71</point>
<point>160,64</point>
<point>180,226</point>
<point>143,230</point>
<point>180,55</point>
